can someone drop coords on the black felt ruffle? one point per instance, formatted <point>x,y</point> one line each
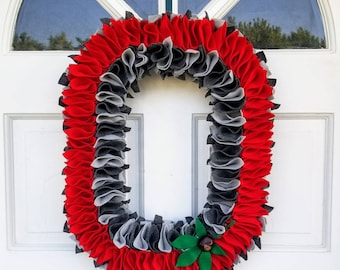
<point>208,70</point>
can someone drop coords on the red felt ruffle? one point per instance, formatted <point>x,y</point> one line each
<point>79,99</point>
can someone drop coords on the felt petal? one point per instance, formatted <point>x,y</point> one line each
<point>204,261</point>
<point>216,249</point>
<point>188,257</point>
<point>200,229</point>
<point>185,241</point>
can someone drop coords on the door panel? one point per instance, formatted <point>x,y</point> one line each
<point>301,231</point>
<point>306,185</point>
<point>33,208</point>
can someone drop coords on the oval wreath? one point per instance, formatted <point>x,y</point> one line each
<point>105,73</point>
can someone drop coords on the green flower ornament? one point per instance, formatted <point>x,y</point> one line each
<point>199,247</point>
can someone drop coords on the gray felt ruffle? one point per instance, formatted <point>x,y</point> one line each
<point>208,70</point>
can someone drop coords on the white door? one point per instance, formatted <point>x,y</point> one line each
<point>302,231</point>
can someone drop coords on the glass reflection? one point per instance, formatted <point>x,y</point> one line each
<point>56,25</point>
<point>279,24</point>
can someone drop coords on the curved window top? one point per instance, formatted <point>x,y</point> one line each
<point>279,24</point>
<point>67,24</point>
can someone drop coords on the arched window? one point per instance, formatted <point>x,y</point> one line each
<point>66,24</point>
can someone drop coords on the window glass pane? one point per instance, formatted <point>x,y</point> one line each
<point>56,25</point>
<point>66,24</point>
<point>144,8</point>
<point>279,23</point>
<point>194,5</point>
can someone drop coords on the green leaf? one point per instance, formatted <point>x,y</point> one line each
<point>185,242</point>
<point>204,261</point>
<point>200,229</point>
<point>216,249</point>
<point>188,257</point>
<point>217,236</point>
<point>230,224</point>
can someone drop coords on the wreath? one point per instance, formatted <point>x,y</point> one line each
<point>104,75</point>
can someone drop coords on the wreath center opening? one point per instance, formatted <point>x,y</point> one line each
<point>174,113</point>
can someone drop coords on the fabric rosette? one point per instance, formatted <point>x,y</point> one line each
<point>105,73</point>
